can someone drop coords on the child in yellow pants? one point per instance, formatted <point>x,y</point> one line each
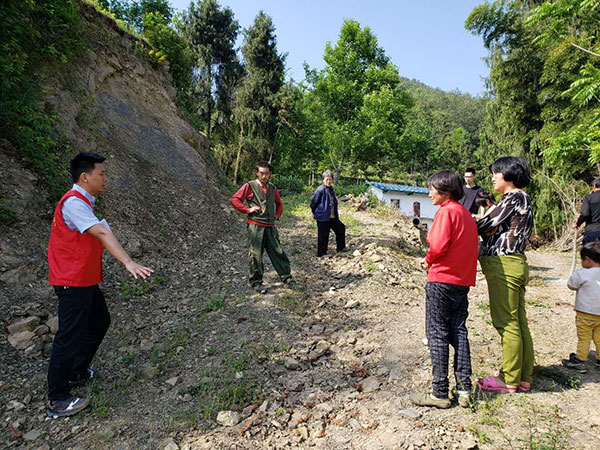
<point>586,282</point>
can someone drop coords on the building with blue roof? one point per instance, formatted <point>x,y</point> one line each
<point>410,201</point>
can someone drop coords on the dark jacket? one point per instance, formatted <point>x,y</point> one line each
<point>590,212</point>
<point>321,204</point>
<point>468,199</point>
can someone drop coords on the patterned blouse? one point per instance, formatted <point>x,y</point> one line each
<point>511,222</point>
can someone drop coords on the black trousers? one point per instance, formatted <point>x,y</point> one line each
<point>83,320</point>
<point>591,236</point>
<point>446,312</point>
<point>323,229</point>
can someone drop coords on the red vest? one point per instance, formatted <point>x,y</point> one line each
<point>74,259</point>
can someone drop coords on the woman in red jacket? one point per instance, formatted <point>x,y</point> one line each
<point>451,265</point>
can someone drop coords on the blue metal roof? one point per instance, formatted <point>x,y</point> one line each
<point>399,188</point>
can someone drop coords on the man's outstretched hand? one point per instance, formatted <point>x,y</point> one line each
<point>135,269</point>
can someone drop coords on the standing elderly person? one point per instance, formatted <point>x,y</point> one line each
<point>590,214</point>
<point>324,206</point>
<point>506,230</point>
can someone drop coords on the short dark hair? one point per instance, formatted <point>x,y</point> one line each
<point>591,250</point>
<point>470,169</point>
<point>264,165</point>
<point>513,169</point>
<point>596,183</point>
<point>447,182</point>
<point>84,162</point>
<point>482,197</point>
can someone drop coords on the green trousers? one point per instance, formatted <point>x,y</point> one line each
<point>507,277</point>
<point>265,238</point>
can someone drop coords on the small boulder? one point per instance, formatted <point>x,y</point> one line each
<point>291,363</point>
<point>149,371</point>
<point>27,324</point>
<point>228,418</point>
<point>52,323</point>
<point>32,435</point>
<point>369,384</point>
<point>22,339</point>
<point>41,330</point>
<point>351,304</point>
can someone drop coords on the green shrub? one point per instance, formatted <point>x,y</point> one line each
<point>350,188</point>
<point>288,185</point>
<point>43,34</point>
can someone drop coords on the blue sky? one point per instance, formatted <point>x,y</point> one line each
<point>426,39</point>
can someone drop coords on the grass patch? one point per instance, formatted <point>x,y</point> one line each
<point>214,303</point>
<point>294,301</point>
<point>225,392</point>
<point>296,208</point>
<point>353,226</point>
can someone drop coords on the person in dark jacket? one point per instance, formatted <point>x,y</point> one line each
<point>590,214</point>
<point>324,206</point>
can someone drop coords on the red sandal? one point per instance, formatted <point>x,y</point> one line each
<point>491,384</point>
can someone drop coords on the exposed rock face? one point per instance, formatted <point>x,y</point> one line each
<point>162,198</point>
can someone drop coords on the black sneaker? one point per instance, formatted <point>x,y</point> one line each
<point>260,288</point>
<point>574,363</point>
<point>67,407</point>
<point>289,281</point>
<point>89,375</point>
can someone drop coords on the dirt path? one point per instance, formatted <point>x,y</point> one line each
<point>329,363</point>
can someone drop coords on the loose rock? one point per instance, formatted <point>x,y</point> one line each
<point>228,418</point>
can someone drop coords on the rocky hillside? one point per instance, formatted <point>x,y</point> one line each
<point>162,200</point>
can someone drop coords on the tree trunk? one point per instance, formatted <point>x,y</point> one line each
<point>239,154</point>
<point>209,103</point>
<point>338,170</point>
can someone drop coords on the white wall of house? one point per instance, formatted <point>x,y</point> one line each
<point>404,202</point>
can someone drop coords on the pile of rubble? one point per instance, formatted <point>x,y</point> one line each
<point>360,203</point>
<point>34,334</point>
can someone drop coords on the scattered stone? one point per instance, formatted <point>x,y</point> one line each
<point>32,435</point>
<point>149,371</point>
<point>22,339</point>
<point>341,437</point>
<point>351,304</point>
<point>376,258</point>
<point>410,412</point>
<point>171,446</point>
<point>146,345</point>
<point>425,341</point>
<point>322,347</point>
<point>228,418</point>
<point>356,253</point>
<point>52,323</point>
<point>291,363</point>
<point>395,374</point>
<point>41,330</point>
<point>302,432</point>
<point>369,384</point>
<point>469,443</point>
<point>27,324</point>
<point>107,434</point>
<point>172,381</point>
<point>186,398</point>
<point>15,405</point>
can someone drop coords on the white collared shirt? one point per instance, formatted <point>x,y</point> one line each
<point>77,214</point>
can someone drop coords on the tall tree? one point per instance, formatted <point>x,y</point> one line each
<point>211,32</point>
<point>357,91</point>
<point>257,100</point>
